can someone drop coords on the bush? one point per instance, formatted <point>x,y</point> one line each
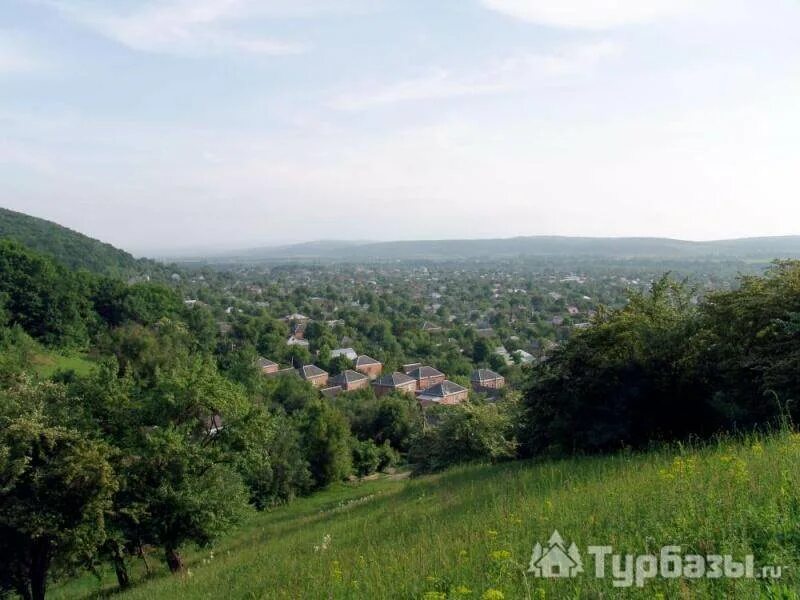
<point>463,433</point>
<point>366,457</point>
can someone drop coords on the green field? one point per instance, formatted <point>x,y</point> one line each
<point>47,364</point>
<point>469,532</point>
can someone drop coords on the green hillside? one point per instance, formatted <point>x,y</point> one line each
<point>69,247</point>
<point>766,248</point>
<point>469,532</point>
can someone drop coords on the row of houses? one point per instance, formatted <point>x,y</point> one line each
<point>429,385</point>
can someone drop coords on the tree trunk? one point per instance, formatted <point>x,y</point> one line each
<point>174,560</point>
<point>40,565</point>
<point>143,556</point>
<point>120,568</point>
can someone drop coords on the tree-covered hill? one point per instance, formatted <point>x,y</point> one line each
<point>764,248</point>
<point>68,247</point>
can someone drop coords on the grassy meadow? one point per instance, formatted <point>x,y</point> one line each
<point>47,364</point>
<point>469,532</point>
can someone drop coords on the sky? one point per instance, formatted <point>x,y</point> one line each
<point>172,125</point>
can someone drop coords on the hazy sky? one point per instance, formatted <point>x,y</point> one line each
<point>198,123</point>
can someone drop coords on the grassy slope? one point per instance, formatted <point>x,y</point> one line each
<point>47,364</point>
<point>401,539</point>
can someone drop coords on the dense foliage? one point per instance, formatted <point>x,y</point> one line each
<point>665,368</point>
<point>69,247</point>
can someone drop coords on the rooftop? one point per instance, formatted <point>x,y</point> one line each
<point>393,380</point>
<point>348,376</point>
<point>311,371</point>
<point>485,375</point>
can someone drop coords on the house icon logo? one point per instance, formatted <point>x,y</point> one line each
<point>555,559</point>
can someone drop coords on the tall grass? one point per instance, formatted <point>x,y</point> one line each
<point>469,532</point>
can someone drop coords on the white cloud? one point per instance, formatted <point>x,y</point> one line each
<point>16,56</point>
<point>512,74</point>
<point>591,14</point>
<point>183,27</point>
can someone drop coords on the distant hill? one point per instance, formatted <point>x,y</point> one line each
<point>69,247</point>
<point>764,248</point>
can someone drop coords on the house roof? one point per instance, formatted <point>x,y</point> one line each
<point>424,372</point>
<point>394,380</point>
<point>444,389</point>
<point>311,371</point>
<point>348,376</point>
<point>332,392</point>
<point>364,360</point>
<point>348,352</point>
<point>262,362</point>
<point>485,375</point>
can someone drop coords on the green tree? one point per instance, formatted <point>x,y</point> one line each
<point>326,441</point>
<point>44,298</point>
<point>466,432</point>
<point>56,487</point>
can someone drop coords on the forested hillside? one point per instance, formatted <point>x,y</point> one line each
<point>765,248</point>
<point>68,247</point>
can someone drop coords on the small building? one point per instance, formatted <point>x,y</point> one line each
<point>293,341</point>
<point>431,327</point>
<point>486,381</point>
<point>445,392</point>
<point>573,310</point>
<point>314,375</point>
<point>285,371</point>
<point>346,352</point>
<point>395,382</point>
<point>426,377</point>
<point>331,392</point>
<point>368,366</point>
<point>350,380</point>
<point>410,367</point>
<point>266,366</point>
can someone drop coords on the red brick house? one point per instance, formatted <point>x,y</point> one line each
<point>395,382</point>
<point>314,375</point>
<point>445,392</point>
<point>486,381</point>
<point>266,366</point>
<point>350,380</point>
<point>426,377</point>
<point>410,367</point>
<point>368,366</point>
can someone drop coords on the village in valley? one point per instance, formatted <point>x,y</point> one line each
<point>440,333</point>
